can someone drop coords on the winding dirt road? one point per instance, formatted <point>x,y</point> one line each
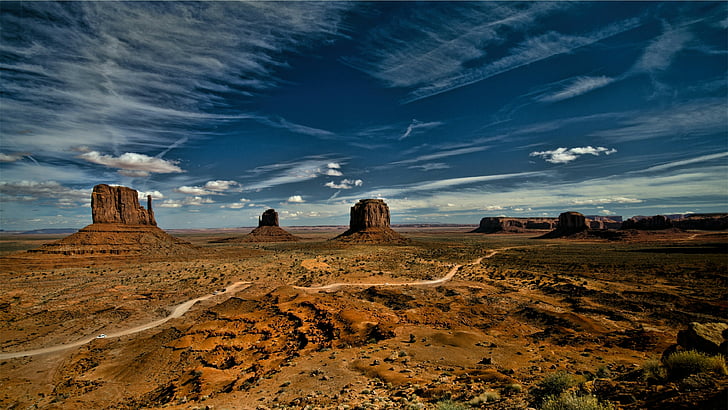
<point>182,308</point>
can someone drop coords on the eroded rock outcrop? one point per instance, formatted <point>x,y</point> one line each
<point>515,225</point>
<point>120,205</point>
<point>267,231</point>
<point>121,226</point>
<point>708,222</point>
<point>650,223</point>
<point>570,223</point>
<point>369,223</point>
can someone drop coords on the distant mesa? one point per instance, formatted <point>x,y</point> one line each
<point>514,225</point>
<point>267,231</point>
<point>657,222</point>
<point>121,226</point>
<point>369,223</point>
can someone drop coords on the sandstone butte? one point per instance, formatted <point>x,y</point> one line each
<point>268,230</point>
<point>121,226</point>
<point>369,223</point>
<point>569,224</point>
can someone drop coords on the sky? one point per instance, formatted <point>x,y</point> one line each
<point>449,111</point>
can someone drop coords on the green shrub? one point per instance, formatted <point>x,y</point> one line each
<point>682,364</point>
<point>552,385</point>
<point>572,401</point>
<point>450,405</point>
<point>652,371</point>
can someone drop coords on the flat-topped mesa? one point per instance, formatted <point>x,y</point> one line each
<point>120,205</point>
<point>269,218</point>
<point>369,223</point>
<point>499,224</point>
<point>650,223</point>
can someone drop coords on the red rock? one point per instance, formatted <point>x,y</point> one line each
<point>369,223</point>
<point>501,224</point>
<point>120,205</point>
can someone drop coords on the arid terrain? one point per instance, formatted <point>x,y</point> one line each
<point>449,318</point>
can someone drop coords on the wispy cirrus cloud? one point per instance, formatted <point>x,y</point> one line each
<point>442,154</point>
<point>291,172</point>
<point>566,155</point>
<point>683,162</point>
<point>133,72</point>
<point>448,56</point>
<point>344,184</point>
<point>49,191</point>
<point>577,87</point>
<point>418,126</point>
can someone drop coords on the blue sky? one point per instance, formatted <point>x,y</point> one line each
<point>448,111</point>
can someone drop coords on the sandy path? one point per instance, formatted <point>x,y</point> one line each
<point>182,308</point>
<point>177,311</point>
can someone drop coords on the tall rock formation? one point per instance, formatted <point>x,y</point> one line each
<point>121,226</point>
<point>267,231</point>
<point>369,223</point>
<point>120,205</point>
<point>570,223</point>
<point>269,218</point>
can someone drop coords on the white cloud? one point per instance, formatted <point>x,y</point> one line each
<point>11,157</point>
<point>418,126</point>
<point>136,164</point>
<point>702,158</point>
<point>190,201</point>
<point>290,172</point>
<point>154,194</point>
<point>566,155</point>
<point>217,187</point>
<point>443,154</point>
<point>333,165</point>
<point>344,184</point>
<point>295,199</point>
<point>333,172</point>
<point>578,86</point>
<point>601,201</point>
<point>431,166</point>
<point>237,205</point>
<point>659,54</point>
<point>44,190</point>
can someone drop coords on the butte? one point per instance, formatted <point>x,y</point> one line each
<point>268,230</point>
<point>369,223</point>
<point>121,226</point>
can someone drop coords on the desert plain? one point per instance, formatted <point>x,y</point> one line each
<point>449,319</point>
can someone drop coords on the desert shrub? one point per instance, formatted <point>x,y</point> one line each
<point>487,397</point>
<point>514,388</point>
<point>682,364</point>
<point>552,385</point>
<point>652,371</point>
<point>573,401</point>
<point>450,405</point>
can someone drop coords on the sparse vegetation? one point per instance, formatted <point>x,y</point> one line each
<point>553,385</point>
<point>451,405</point>
<point>682,364</point>
<point>574,401</point>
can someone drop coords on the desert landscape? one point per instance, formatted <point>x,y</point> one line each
<point>421,317</point>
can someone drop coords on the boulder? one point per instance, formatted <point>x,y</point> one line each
<point>120,205</point>
<point>369,223</point>
<point>704,337</point>
<point>650,223</point>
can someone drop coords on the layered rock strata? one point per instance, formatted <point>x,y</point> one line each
<point>369,223</point>
<point>570,223</point>
<point>120,205</point>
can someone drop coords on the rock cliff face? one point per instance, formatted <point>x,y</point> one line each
<point>120,205</point>
<point>269,218</point>
<point>505,225</point>
<point>369,223</point>
<point>708,222</point>
<point>650,223</point>
<point>570,223</point>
